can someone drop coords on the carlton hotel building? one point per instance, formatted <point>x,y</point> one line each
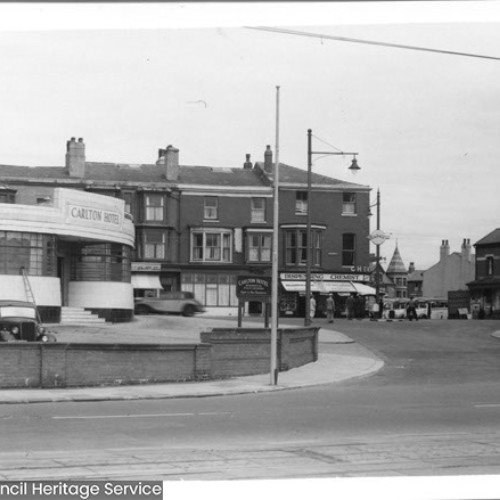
<point>95,235</point>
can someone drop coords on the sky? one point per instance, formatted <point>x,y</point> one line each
<point>133,78</point>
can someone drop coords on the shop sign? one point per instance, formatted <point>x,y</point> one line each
<point>326,277</point>
<point>151,267</point>
<point>253,287</point>
<point>91,215</point>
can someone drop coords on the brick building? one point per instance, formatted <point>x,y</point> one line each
<point>485,288</point>
<point>197,227</point>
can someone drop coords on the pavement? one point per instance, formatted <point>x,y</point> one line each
<point>345,360</point>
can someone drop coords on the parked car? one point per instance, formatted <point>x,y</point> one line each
<point>19,322</point>
<point>170,302</point>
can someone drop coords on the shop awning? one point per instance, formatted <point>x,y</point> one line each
<point>146,281</point>
<point>325,286</point>
<point>364,289</point>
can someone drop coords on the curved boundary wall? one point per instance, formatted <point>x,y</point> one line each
<point>222,353</point>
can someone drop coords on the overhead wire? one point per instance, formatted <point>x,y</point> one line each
<point>370,42</point>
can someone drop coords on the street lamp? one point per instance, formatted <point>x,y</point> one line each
<point>354,168</point>
<point>377,237</point>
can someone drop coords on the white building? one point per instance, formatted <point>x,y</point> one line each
<point>74,247</point>
<point>451,273</point>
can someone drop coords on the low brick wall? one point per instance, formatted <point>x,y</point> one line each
<point>76,365</point>
<point>224,352</point>
<point>247,351</point>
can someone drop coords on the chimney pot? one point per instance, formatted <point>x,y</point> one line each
<point>268,160</point>
<point>248,163</point>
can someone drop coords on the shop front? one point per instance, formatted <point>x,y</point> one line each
<point>485,298</point>
<point>293,289</point>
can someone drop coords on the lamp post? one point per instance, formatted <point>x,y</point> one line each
<point>353,168</point>
<point>378,237</point>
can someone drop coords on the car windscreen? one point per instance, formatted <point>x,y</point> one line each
<point>17,312</point>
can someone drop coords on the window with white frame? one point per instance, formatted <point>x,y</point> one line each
<point>154,244</point>
<point>211,208</point>
<point>301,202</point>
<point>258,210</point>
<point>296,247</point>
<point>211,246</point>
<point>155,207</point>
<point>259,247</point>
<point>349,203</point>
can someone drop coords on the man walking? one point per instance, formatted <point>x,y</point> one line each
<point>330,308</point>
<point>312,308</point>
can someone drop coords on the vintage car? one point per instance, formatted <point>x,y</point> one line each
<point>169,302</point>
<point>18,322</point>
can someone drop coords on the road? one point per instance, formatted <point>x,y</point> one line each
<point>434,409</point>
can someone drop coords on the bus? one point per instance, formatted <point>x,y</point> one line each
<point>432,308</point>
<point>427,308</point>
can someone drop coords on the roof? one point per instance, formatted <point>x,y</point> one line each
<point>188,175</point>
<point>294,175</point>
<point>416,276</point>
<point>396,265</point>
<point>491,238</point>
<point>222,176</point>
<point>142,173</point>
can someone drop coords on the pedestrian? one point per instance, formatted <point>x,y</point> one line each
<point>411,310</point>
<point>312,307</point>
<point>349,307</point>
<point>330,308</point>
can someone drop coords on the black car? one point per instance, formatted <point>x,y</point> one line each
<point>170,302</point>
<point>19,322</point>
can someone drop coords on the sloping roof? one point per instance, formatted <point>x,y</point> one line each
<point>416,276</point>
<point>194,175</point>
<point>396,265</point>
<point>294,175</point>
<point>491,238</point>
<point>222,176</point>
<point>143,173</point>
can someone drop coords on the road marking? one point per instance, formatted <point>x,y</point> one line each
<point>139,415</point>
<point>487,405</point>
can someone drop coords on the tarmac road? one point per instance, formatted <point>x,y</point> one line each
<point>413,416</point>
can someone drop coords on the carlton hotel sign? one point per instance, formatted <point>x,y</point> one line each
<point>94,216</point>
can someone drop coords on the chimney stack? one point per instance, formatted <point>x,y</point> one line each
<point>411,269</point>
<point>466,250</point>
<point>268,160</point>
<point>248,164</point>
<point>169,157</point>
<point>75,158</point>
<point>444,250</point>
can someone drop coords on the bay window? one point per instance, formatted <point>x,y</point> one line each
<point>211,246</point>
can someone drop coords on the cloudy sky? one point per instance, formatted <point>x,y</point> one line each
<point>131,78</point>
